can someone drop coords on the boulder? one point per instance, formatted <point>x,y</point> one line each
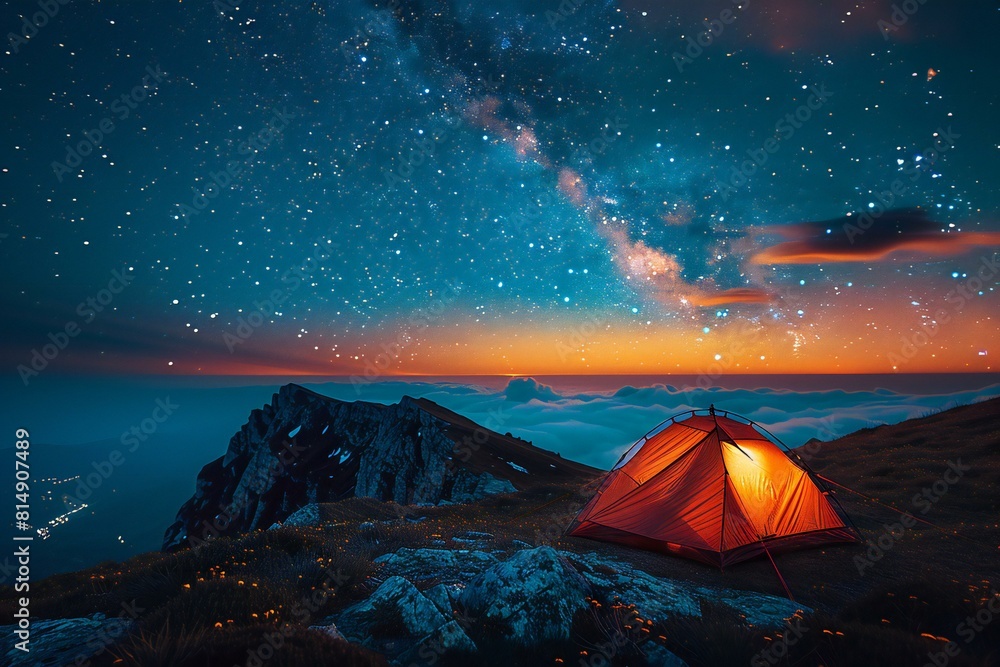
<point>759,609</point>
<point>449,637</point>
<point>307,516</point>
<point>658,598</point>
<point>471,488</point>
<point>606,577</point>
<point>443,597</point>
<point>533,595</point>
<point>444,565</point>
<point>330,630</point>
<point>64,641</point>
<point>654,597</point>
<point>395,616</point>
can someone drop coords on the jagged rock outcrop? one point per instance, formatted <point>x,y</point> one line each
<point>605,578</point>
<point>396,608</point>
<point>404,624</point>
<point>533,595</point>
<point>306,448</point>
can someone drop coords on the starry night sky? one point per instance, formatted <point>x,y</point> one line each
<point>500,187</point>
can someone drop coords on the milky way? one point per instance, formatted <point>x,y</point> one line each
<point>500,187</point>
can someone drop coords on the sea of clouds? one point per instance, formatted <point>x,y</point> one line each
<point>597,427</point>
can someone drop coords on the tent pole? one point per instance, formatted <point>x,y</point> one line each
<point>722,536</point>
<point>725,485</point>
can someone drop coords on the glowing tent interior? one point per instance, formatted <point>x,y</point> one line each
<point>713,487</point>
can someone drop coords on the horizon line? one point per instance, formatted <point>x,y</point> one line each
<point>401,376</point>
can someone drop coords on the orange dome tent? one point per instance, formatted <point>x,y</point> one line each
<point>715,488</point>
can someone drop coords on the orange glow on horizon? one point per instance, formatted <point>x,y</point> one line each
<point>730,348</point>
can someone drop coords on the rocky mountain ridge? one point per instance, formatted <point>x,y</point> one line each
<point>305,448</point>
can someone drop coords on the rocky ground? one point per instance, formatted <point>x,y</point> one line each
<point>494,582</point>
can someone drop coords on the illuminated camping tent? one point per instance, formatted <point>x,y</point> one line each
<point>713,487</point>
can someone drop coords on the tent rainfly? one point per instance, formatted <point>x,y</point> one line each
<point>712,487</point>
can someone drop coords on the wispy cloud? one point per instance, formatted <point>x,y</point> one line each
<point>866,237</point>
